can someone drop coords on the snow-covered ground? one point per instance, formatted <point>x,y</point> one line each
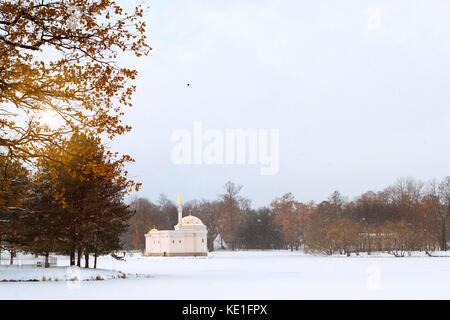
<point>253,275</point>
<point>30,273</point>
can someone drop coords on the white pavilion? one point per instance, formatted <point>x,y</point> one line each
<point>188,238</point>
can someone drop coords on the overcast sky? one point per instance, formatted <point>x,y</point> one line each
<point>359,91</point>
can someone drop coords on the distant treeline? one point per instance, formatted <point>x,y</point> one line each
<point>408,215</point>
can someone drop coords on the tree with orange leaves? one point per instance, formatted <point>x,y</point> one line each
<point>77,206</point>
<point>291,215</point>
<point>58,59</point>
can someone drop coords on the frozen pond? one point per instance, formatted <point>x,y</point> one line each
<point>253,275</point>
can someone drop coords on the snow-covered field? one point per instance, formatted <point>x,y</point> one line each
<point>252,275</point>
<point>29,273</point>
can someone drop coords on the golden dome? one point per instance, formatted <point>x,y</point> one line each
<point>191,220</point>
<point>154,229</point>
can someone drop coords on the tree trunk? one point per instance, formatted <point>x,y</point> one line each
<point>86,259</point>
<point>11,257</point>
<point>95,260</point>
<point>72,257</point>
<point>79,258</point>
<point>444,236</point>
<point>210,244</point>
<point>46,264</point>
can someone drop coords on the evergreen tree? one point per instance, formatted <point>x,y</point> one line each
<point>79,207</point>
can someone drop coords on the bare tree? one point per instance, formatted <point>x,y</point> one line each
<point>231,214</point>
<point>444,212</point>
<point>208,212</point>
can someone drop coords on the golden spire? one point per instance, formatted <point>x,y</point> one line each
<point>179,199</point>
<point>154,229</point>
<point>190,211</point>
